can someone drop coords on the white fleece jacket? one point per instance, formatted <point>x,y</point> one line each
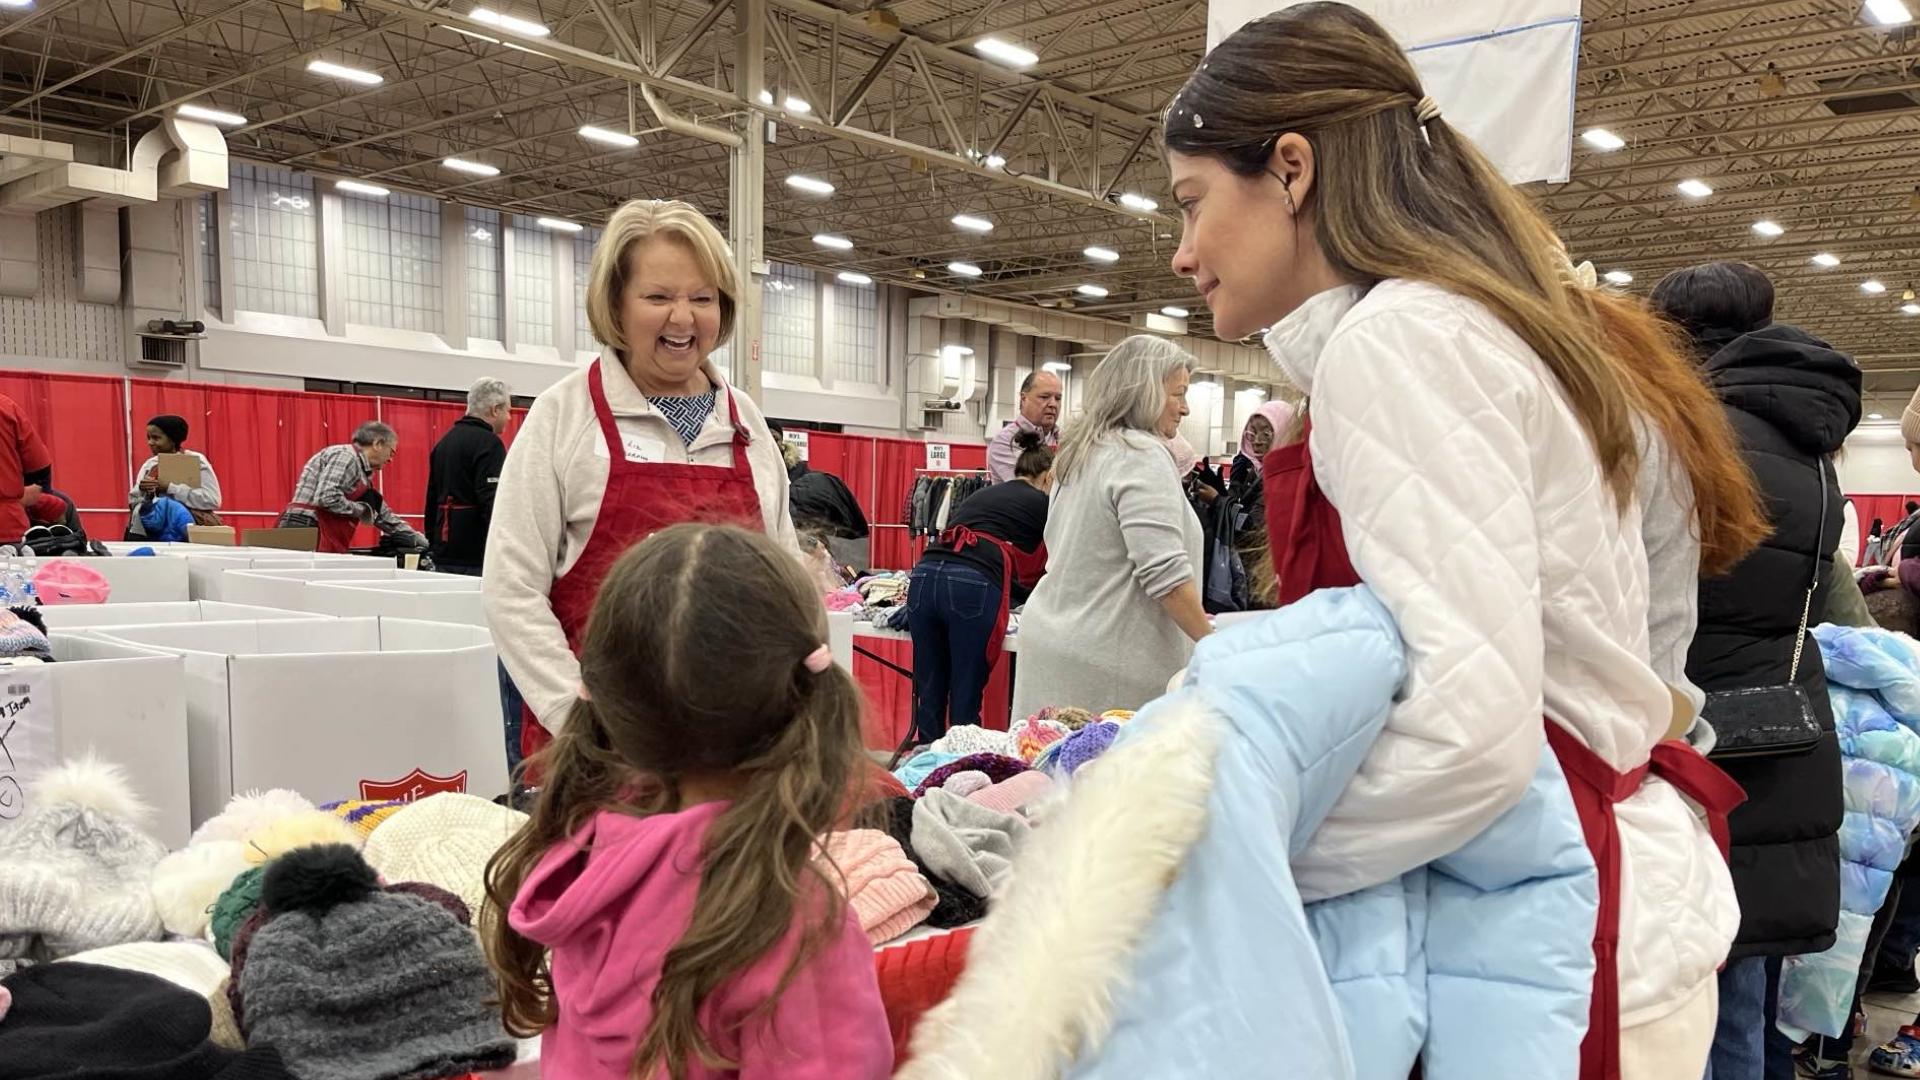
<point>549,499</point>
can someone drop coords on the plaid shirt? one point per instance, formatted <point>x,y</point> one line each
<point>324,483</point>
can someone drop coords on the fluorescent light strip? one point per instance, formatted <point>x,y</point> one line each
<point>1872,287</point>
<point>1138,202</point>
<point>1619,277</point>
<point>1006,53</point>
<point>965,269</point>
<point>1058,367</point>
<point>852,278</point>
<point>995,161</point>
<point>1101,254</point>
<point>1826,261</point>
<point>796,105</point>
<point>211,116</point>
<point>809,185</point>
<point>558,224</point>
<point>1095,291</point>
<point>359,188</point>
<point>1175,312</point>
<point>1694,189</point>
<point>523,27</point>
<point>1602,139</point>
<point>971,223</point>
<point>1768,228</point>
<point>1888,12</point>
<point>341,71</point>
<point>16,3</point>
<point>837,243</point>
<point>1911,309</point>
<point>608,136</point>
<point>472,168</point>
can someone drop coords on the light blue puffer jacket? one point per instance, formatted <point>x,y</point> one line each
<point>1154,929</point>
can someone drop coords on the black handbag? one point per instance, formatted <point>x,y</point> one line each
<point>1772,721</point>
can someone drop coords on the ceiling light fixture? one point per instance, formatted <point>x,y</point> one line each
<point>359,188</point>
<point>1876,416</point>
<point>1006,53</point>
<point>558,224</point>
<point>971,223</point>
<point>1175,312</point>
<point>1888,12</point>
<point>471,168</point>
<point>957,350</point>
<point>1911,309</point>
<point>1094,291</point>
<point>766,97</point>
<point>1826,261</point>
<point>797,105</point>
<point>1768,228</point>
<point>1138,202</point>
<point>341,71</point>
<point>1101,254</point>
<point>1058,367</point>
<point>608,136</point>
<point>965,269</point>
<point>1602,139</point>
<point>837,243</point>
<point>509,23</point>
<point>16,3</point>
<point>995,161</point>
<point>852,278</point>
<point>1619,277</point>
<point>809,185</point>
<point>1695,189</point>
<point>1872,287</point>
<point>211,116</point>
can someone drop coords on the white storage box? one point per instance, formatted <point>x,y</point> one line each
<point>73,616</point>
<point>286,587</point>
<point>130,711</point>
<point>429,597</point>
<point>333,708</point>
<point>137,580</point>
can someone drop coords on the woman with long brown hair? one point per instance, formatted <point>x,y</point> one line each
<point>1455,378</point>
<point>665,912</point>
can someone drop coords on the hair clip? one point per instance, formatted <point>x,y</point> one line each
<point>1199,121</point>
<point>819,660</point>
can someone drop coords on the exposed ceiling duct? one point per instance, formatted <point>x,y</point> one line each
<point>180,157</point>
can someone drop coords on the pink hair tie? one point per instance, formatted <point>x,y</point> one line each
<point>819,660</point>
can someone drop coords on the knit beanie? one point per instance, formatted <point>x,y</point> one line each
<point>1910,419</point>
<point>965,843</point>
<point>75,869</point>
<point>364,816</point>
<point>173,427</point>
<point>954,906</point>
<point>84,1020</point>
<point>190,965</point>
<point>353,982</point>
<point>233,907</point>
<point>248,812</point>
<point>310,828</point>
<point>20,638</point>
<point>1034,734</point>
<point>1014,795</point>
<point>187,882</point>
<point>226,1030</point>
<point>973,739</point>
<point>997,767</point>
<point>967,781</point>
<point>1083,746</point>
<point>444,840</point>
<point>884,888</point>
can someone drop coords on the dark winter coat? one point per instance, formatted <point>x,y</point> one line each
<point>1792,401</point>
<point>822,502</point>
<point>462,477</point>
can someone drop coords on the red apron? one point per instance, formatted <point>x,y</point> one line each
<point>640,500</point>
<point>1014,565</point>
<point>336,530</point>
<point>1309,552</point>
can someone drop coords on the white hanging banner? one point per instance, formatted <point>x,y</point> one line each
<point>27,745</point>
<point>1502,71</point>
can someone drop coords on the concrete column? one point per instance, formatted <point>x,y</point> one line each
<point>333,264</point>
<point>223,249</point>
<point>453,274</point>
<point>561,244</point>
<point>746,195</point>
<point>509,273</point>
<point>154,285</point>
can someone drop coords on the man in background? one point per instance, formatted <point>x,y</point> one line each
<point>1040,398</point>
<point>335,492</point>
<point>462,475</point>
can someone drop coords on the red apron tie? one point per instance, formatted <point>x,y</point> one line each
<point>1014,565</point>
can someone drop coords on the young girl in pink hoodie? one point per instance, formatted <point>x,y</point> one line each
<point>668,867</point>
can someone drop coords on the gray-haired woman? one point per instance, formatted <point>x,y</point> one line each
<point>1119,609</point>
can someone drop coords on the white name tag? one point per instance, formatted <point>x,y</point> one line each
<point>638,448</point>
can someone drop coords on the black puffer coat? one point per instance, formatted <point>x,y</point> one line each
<point>1792,400</point>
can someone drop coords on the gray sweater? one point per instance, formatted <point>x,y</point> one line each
<point>1120,536</point>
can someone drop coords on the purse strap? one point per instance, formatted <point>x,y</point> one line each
<point>1819,545</point>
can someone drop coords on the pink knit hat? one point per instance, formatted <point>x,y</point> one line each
<point>1014,794</point>
<point>883,886</point>
<point>64,581</point>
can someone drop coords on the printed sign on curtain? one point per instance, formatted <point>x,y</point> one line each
<point>799,441</point>
<point>26,734</point>
<point>1502,71</point>
<point>939,457</point>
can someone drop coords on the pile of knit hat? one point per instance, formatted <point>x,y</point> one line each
<point>318,944</point>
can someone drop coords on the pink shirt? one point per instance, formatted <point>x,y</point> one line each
<point>613,900</point>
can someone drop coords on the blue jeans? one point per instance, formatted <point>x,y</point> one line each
<point>1746,1045</point>
<point>510,704</point>
<point>951,609</point>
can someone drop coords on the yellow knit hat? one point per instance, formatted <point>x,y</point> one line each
<point>1910,420</point>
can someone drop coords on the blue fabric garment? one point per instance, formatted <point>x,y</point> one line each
<point>165,520</point>
<point>1480,963</point>
<point>1873,680</point>
<point>687,414</point>
<point>920,766</point>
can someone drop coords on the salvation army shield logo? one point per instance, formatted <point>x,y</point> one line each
<point>415,785</point>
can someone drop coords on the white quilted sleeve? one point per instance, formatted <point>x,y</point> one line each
<point>1420,439</point>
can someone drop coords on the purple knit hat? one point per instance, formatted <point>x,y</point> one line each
<point>1083,746</point>
<point>998,767</point>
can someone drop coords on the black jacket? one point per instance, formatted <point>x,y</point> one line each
<point>821,502</point>
<point>1792,400</point>
<point>462,477</point>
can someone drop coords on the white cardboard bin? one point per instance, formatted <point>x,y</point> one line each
<point>73,616</point>
<point>137,580</point>
<point>333,708</point>
<point>286,587</point>
<point>437,598</point>
<point>130,711</point>
<point>840,637</point>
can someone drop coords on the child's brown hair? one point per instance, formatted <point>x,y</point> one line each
<point>695,663</point>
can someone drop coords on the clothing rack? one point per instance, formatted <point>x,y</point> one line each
<point>936,493</point>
